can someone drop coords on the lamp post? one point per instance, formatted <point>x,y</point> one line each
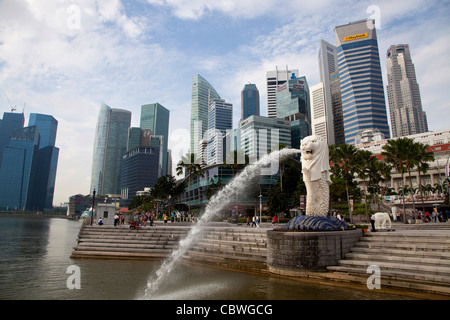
<point>93,205</point>
<point>260,207</point>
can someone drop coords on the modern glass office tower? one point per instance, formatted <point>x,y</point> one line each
<point>249,101</point>
<point>363,102</point>
<point>273,80</point>
<point>140,168</point>
<point>336,103</point>
<point>155,117</point>
<point>220,119</point>
<point>11,122</point>
<point>110,143</point>
<point>16,168</point>
<point>405,104</point>
<point>322,120</point>
<point>260,135</point>
<point>293,104</point>
<point>202,93</point>
<point>29,162</point>
<point>46,165</point>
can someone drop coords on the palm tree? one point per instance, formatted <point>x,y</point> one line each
<point>378,172</point>
<point>395,153</point>
<point>343,158</point>
<point>423,157</point>
<point>363,158</point>
<point>191,164</point>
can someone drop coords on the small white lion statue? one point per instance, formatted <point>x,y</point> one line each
<point>316,175</point>
<point>382,220</point>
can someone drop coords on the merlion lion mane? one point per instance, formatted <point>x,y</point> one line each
<point>316,175</point>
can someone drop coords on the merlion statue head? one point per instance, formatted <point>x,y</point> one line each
<point>315,158</point>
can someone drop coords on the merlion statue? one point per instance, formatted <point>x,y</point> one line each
<point>316,175</point>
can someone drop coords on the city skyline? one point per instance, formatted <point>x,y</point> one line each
<point>67,57</point>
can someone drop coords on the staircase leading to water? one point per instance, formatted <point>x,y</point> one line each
<point>124,243</point>
<point>235,248</point>
<point>412,259</point>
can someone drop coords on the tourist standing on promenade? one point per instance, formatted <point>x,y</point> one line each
<point>372,221</point>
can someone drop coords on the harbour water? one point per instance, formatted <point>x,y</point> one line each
<point>35,257</point>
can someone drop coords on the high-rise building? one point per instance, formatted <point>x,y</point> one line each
<point>336,104</point>
<point>362,92</point>
<point>319,121</point>
<point>110,143</point>
<point>29,162</point>
<point>16,168</point>
<point>273,80</point>
<point>11,122</point>
<point>46,164</point>
<point>260,135</point>
<point>327,65</point>
<point>202,93</point>
<point>155,117</point>
<point>139,170</point>
<point>405,105</point>
<point>220,119</point>
<point>293,104</point>
<point>249,101</point>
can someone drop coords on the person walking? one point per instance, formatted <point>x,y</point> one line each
<point>253,221</point>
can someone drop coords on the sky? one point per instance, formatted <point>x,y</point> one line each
<point>66,57</point>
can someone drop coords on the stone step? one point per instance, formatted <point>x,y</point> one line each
<point>245,243</point>
<point>402,252</point>
<point>396,282</point>
<point>398,275</point>
<point>107,245</point>
<point>437,270</point>
<point>398,258</point>
<point>119,255</point>
<point>405,245</point>
<point>126,250</point>
<point>226,261</point>
<point>233,251</point>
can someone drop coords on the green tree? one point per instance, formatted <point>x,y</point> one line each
<point>343,158</point>
<point>422,158</point>
<point>395,153</point>
<point>362,161</point>
<point>190,164</point>
<point>276,200</point>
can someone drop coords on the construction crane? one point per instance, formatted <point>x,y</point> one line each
<point>9,104</point>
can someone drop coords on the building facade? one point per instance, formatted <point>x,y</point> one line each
<point>155,117</point>
<point>405,105</point>
<point>220,119</point>
<point>249,101</point>
<point>327,66</point>
<point>362,92</point>
<point>110,143</point>
<point>273,80</point>
<point>293,105</point>
<point>11,122</point>
<point>202,93</point>
<point>260,135</point>
<point>336,106</point>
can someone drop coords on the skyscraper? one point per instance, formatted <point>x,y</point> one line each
<point>249,101</point>
<point>202,93</point>
<point>363,102</point>
<point>327,65</point>
<point>220,119</point>
<point>110,143</point>
<point>155,117</point>
<point>336,104</point>
<point>46,164</point>
<point>16,168</point>
<point>11,122</point>
<point>28,164</point>
<point>293,104</point>
<point>273,80</point>
<point>405,105</point>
